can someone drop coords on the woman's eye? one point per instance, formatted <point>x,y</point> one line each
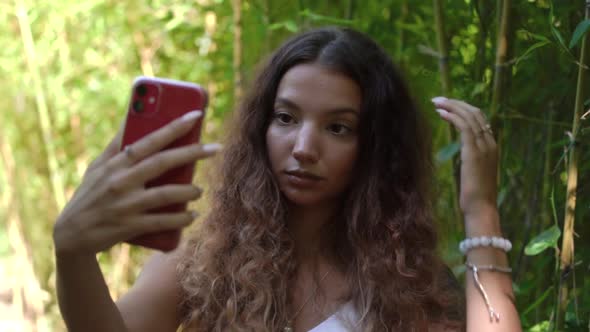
<point>339,129</point>
<point>284,118</point>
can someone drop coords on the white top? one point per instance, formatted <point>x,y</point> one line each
<point>339,321</point>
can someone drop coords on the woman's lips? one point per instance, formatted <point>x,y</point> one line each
<point>302,180</point>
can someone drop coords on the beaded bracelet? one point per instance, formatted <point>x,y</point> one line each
<point>485,241</point>
<point>475,268</point>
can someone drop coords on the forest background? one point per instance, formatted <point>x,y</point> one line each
<point>66,67</point>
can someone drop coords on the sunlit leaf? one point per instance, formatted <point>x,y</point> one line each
<point>541,327</point>
<point>290,26</point>
<point>541,242</point>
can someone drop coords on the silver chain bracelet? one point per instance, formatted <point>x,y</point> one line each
<point>494,315</point>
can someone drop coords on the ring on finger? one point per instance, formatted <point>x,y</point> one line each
<point>129,153</point>
<point>480,133</point>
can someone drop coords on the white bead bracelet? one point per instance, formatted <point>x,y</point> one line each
<point>485,241</point>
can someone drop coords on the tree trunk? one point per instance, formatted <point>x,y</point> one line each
<point>402,33</point>
<point>445,78</point>
<point>237,56</point>
<point>499,72</point>
<point>567,246</point>
<point>42,110</point>
<point>350,10</point>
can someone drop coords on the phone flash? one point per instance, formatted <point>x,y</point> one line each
<point>151,100</point>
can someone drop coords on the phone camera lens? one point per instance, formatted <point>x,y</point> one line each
<point>138,106</point>
<point>141,90</point>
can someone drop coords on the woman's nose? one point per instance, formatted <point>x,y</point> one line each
<point>306,147</point>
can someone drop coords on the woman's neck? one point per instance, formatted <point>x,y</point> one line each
<point>305,225</point>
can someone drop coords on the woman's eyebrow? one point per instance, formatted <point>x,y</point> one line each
<point>292,105</point>
<point>287,103</point>
<point>344,110</point>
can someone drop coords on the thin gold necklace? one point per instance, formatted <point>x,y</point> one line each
<point>289,327</point>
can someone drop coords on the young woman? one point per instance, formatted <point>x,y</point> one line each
<point>320,217</point>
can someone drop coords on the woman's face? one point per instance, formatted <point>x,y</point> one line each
<point>312,139</point>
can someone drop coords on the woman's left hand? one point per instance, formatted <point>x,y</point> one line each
<point>479,155</point>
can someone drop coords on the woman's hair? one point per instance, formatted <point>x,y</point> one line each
<point>237,269</point>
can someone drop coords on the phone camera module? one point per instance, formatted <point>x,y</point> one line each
<point>141,90</point>
<point>138,106</point>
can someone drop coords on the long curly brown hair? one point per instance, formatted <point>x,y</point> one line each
<point>237,268</point>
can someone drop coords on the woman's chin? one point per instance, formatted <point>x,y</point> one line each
<point>301,201</point>
<point>308,198</point>
<point>302,198</point>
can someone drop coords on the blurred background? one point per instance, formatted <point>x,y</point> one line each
<point>66,68</point>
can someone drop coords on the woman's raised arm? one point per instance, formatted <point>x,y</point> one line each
<point>111,206</point>
<point>489,296</point>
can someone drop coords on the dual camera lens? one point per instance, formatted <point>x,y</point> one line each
<point>138,104</point>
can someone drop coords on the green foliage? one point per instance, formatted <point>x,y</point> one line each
<point>580,31</point>
<point>547,239</point>
<point>447,152</point>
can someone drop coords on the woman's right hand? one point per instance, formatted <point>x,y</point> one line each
<point>110,204</point>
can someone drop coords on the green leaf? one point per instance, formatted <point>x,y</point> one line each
<point>554,30</point>
<point>559,37</point>
<point>291,26</point>
<point>530,50</point>
<point>534,35</point>
<point>580,31</point>
<point>325,19</point>
<point>538,301</point>
<point>540,327</point>
<point>545,240</point>
<point>448,152</point>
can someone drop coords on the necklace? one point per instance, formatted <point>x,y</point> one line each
<point>289,327</point>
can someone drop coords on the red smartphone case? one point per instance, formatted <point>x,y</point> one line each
<point>154,103</point>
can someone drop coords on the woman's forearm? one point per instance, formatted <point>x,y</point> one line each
<point>497,285</point>
<point>83,296</point>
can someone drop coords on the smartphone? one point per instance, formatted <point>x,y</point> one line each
<point>155,102</point>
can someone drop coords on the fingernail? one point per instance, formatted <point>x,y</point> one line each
<point>191,116</point>
<point>441,111</point>
<point>198,191</point>
<point>212,147</point>
<point>439,99</point>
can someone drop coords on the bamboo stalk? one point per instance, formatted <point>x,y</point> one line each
<point>567,247</point>
<point>402,32</point>
<point>303,19</point>
<point>502,48</point>
<point>268,20</point>
<point>119,275</point>
<point>237,53</point>
<point>445,78</point>
<point>57,185</point>
<point>442,47</point>
<point>350,9</point>
<point>500,64</point>
<point>544,212</point>
<point>482,11</point>
<point>28,297</point>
